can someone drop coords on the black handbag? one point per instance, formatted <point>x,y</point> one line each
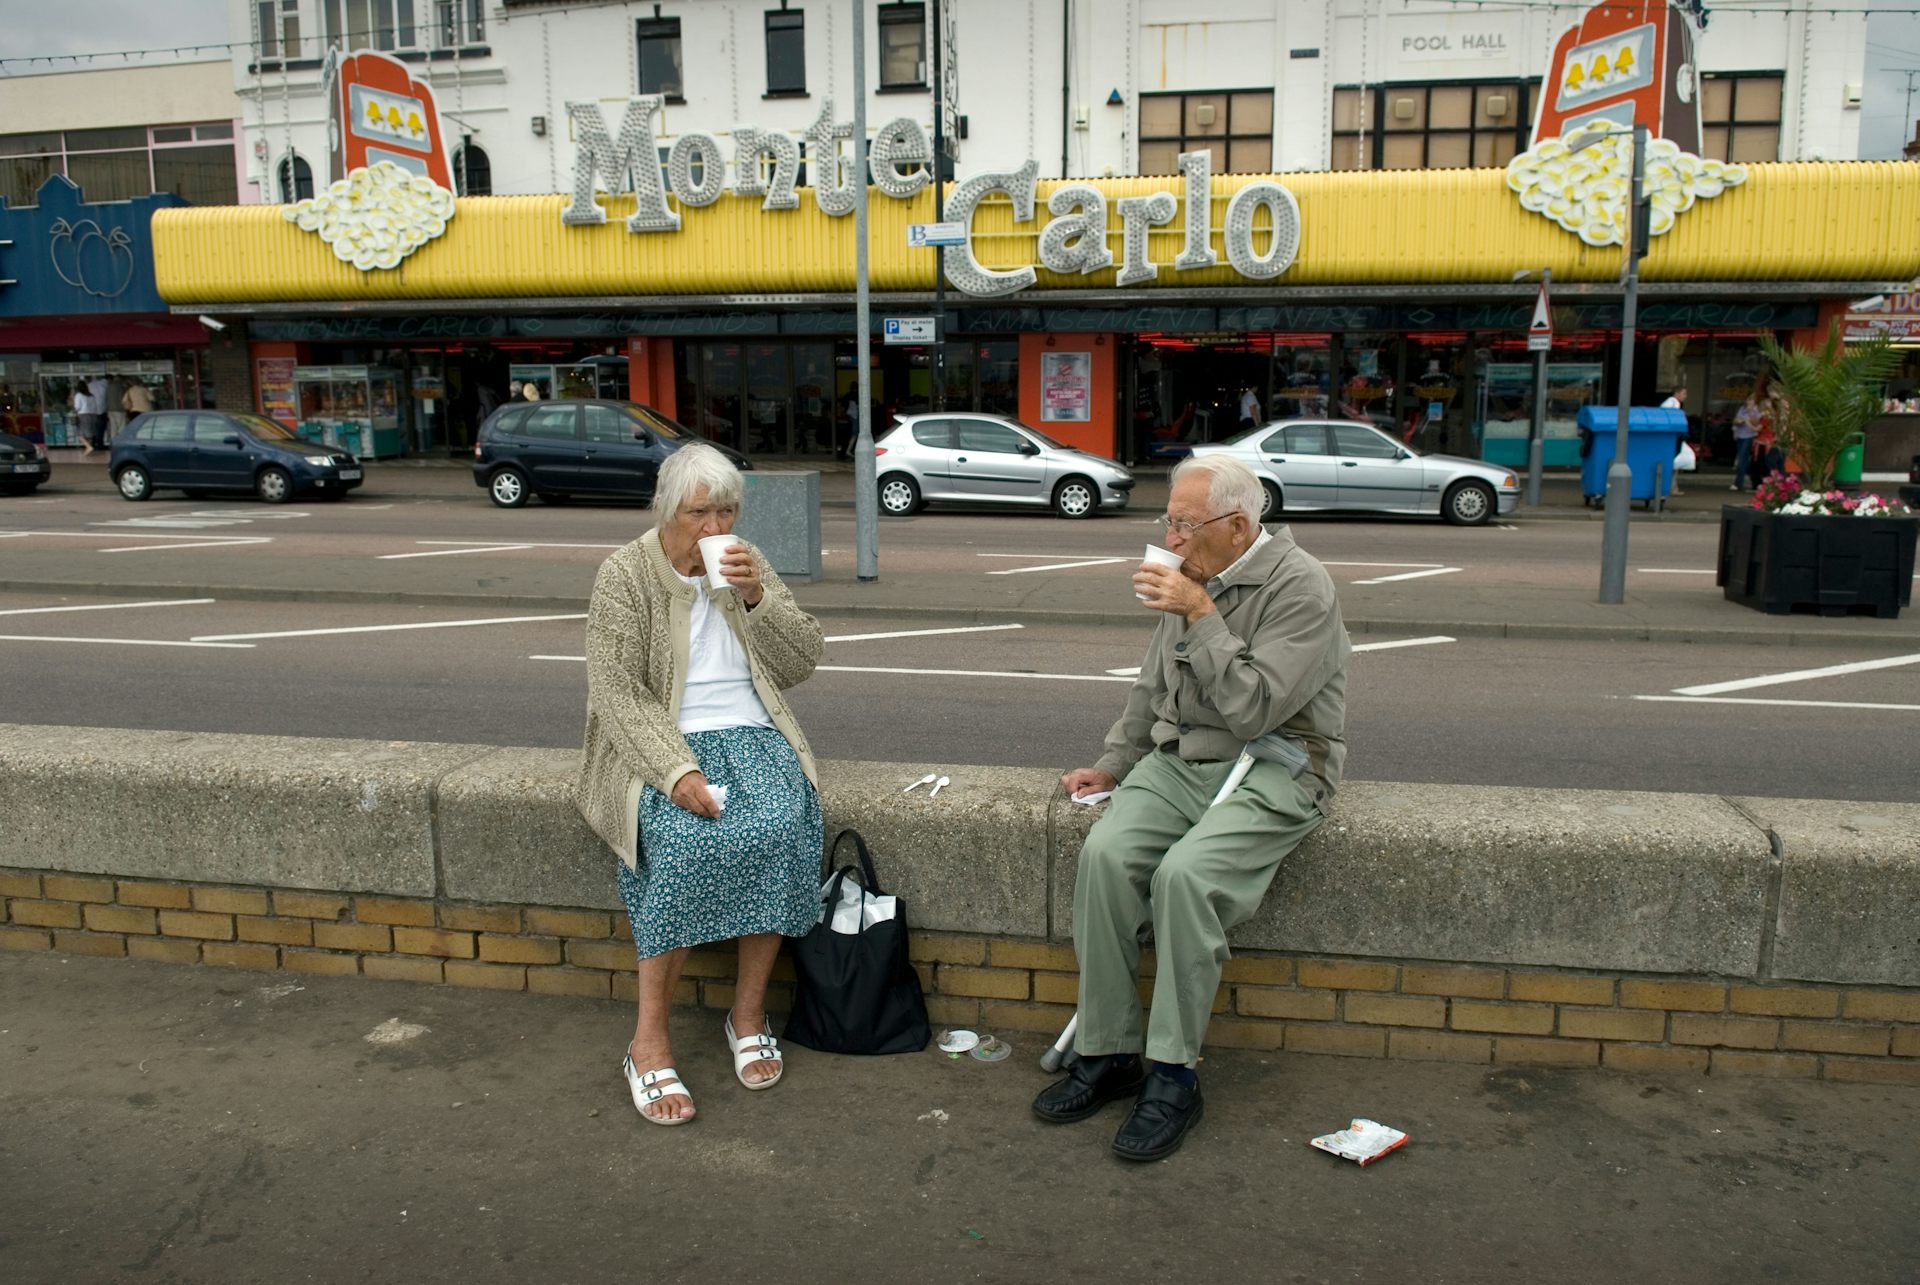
<point>856,991</point>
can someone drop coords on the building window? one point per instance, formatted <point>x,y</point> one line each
<point>279,28</point>
<point>373,24</point>
<point>903,46</point>
<point>1740,117</point>
<point>459,22</point>
<point>1236,128</point>
<point>1439,127</point>
<point>472,171</point>
<point>786,51</point>
<point>193,161</point>
<point>296,180</point>
<point>660,57</point>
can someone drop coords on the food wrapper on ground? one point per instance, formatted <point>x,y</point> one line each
<point>1362,1141</point>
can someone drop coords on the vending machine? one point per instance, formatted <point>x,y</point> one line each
<point>1627,61</point>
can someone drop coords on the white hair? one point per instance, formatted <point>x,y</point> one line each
<point>690,468</point>
<point>1231,487</point>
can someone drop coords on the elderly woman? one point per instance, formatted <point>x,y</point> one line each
<point>695,771</point>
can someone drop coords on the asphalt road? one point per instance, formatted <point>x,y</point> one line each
<point>1464,711</point>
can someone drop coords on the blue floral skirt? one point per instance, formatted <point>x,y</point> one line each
<point>754,870</point>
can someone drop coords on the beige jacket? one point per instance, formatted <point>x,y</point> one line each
<point>1272,657</point>
<point>638,626</point>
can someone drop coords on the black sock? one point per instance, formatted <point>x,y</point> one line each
<point>1181,1075</point>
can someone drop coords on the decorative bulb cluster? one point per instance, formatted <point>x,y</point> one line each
<point>375,217</point>
<point>1586,191</point>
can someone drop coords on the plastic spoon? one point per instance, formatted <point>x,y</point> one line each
<point>945,780</point>
<point>928,779</point>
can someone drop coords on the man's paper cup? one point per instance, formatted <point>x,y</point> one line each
<point>712,548</point>
<point>1157,556</point>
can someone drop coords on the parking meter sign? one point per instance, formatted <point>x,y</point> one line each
<point>908,330</point>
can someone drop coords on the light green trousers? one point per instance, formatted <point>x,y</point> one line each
<point>1161,856</point>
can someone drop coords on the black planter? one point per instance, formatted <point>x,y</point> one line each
<point>1778,563</point>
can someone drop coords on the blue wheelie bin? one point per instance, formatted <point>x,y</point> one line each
<point>1654,435</point>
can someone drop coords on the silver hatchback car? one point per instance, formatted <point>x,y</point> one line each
<point>968,458</point>
<point>1308,464</point>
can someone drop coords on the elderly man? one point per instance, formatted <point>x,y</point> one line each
<point>1250,642</point>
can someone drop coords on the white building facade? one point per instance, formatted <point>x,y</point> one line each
<point>1086,88</point>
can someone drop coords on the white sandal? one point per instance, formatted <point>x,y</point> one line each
<point>648,1090</point>
<point>755,1048</point>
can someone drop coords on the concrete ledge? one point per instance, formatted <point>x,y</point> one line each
<point>1617,882</point>
<point>297,813</point>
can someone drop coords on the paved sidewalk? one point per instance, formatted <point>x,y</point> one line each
<point>170,1123</point>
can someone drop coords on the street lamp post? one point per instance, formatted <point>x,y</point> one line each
<point>1537,431</point>
<point>866,499</point>
<point>1613,539</point>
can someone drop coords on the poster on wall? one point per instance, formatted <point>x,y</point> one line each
<point>274,377</point>
<point>1066,387</point>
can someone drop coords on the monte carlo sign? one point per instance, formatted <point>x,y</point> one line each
<point>900,159</point>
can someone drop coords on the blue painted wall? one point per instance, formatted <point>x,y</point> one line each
<point>72,258</point>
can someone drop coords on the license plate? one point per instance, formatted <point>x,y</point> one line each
<point>349,475</point>
<point>28,468</point>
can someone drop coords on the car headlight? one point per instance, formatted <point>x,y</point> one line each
<point>1509,482</point>
<point>320,461</point>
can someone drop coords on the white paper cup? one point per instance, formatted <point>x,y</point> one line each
<point>712,547</point>
<point>1159,557</point>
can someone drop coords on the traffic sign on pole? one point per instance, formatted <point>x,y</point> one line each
<point>1540,330</point>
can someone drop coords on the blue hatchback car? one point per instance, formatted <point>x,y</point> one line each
<point>201,451</point>
<point>577,447</point>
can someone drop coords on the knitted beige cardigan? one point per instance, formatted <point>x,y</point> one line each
<point>638,626</point>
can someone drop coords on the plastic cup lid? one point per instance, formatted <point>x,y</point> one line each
<point>958,1041</point>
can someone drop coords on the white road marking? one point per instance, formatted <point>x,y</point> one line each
<point>1031,556</point>
<point>969,673</point>
<point>1502,526</point>
<point>13,535</point>
<point>125,642</point>
<point>1383,564</point>
<point>139,535</point>
<point>921,633</point>
<point>1405,642</point>
<point>204,544</point>
<point>1133,672</point>
<point>580,659</point>
<point>531,544</point>
<point>107,606</point>
<point>1675,571</point>
<point>388,629</point>
<point>1797,676</point>
<point>1411,575</point>
<point>1752,700</point>
<point>444,553</point>
<point>1061,566</point>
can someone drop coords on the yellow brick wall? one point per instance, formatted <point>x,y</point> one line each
<point>1416,1010</point>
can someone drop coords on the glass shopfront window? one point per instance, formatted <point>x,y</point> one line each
<point>1433,407</point>
<point>1302,369</point>
<point>999,366</point>
<point>1369,376</point>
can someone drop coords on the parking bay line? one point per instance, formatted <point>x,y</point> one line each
<point>386,629</point>
<point>1797,676</point>
<point>203,544</point>
<point>446,553</point>
<point>1411,575</point>
<point>107,606</point>
<point>1756,700</point>
<point>126,642</point>
<point>1061,566</point>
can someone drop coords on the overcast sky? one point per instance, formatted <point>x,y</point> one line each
<point>36,28</point>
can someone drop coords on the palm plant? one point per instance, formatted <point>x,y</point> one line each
<point>1832,392</point>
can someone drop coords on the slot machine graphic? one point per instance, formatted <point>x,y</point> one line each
<point>379,112</point>
<point>1631,63</point>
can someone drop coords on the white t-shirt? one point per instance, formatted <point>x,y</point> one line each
<point>83,403</point>
<point>719,691</point>
<point>1249,406</point>
<point>1672,403</point>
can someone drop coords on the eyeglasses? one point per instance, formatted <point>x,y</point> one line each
<point>1185,528</point>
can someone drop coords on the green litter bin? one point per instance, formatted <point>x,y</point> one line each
<point>1851,462</point>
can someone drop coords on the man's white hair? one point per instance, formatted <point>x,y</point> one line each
<point>693,466</point>
<point>1232,487</point>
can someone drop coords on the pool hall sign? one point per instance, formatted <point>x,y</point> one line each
<point>900,159</point>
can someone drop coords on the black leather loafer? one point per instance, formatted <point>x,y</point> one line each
<point>1161,1116</point>
<point>1091,1083</point>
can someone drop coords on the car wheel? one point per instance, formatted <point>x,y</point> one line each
<point>1269,502</point>
<point>1076,498</point>
<point>273,485</point>
<point>508,488</point>
<point>898,495</point>
<point>133,482</point>
<point>1468,504</point>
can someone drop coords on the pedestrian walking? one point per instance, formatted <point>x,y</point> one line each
<point>137,400</point>
<point>1747,422</point>
<point>116,406</point>
<point>1249,409</point>
<point>87,420</point>
<point>1250,642</point>
<point>695,771</point>
<point>1676,400</point>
